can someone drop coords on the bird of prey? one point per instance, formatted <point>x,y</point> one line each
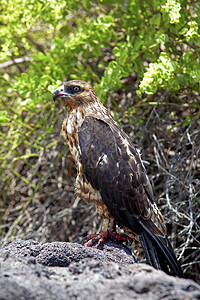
<point>111,174</point>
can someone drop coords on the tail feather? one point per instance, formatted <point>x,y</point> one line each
<point>159,253</point>
<point>150,252</point>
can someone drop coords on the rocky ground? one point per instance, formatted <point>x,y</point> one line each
<point>30,270</point>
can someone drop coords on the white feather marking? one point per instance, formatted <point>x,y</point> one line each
<point>103,159</point>
<point>79,115</point>
<point>125,142</point>
<point>61,88</point>
<point>69,127</point>
<point>129,152</point>
<point>79,149</point>
<point>131,176</point>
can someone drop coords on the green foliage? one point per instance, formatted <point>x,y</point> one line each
<point>157,40</point>
<point>62,37</point>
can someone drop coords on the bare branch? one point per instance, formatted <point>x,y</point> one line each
<point>15,61</point>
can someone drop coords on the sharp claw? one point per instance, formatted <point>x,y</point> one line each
<point>106,236</point>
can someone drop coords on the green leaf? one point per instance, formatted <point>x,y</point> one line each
<point>155,20</point>
<point>4,117</point>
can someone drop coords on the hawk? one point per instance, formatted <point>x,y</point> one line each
<point>111,175</point>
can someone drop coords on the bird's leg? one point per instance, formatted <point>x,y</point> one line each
<point>108,233</point>
<point>112,227</point>
<point>105,225</point>
<point>114,236</point>
<point>92,239</point>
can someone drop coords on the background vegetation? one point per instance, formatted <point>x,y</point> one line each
<point>142,57</point>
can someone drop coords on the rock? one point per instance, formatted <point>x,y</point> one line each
<point>29,270</point>
<point>62,254</point>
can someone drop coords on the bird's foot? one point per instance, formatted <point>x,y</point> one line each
<point>109,235</point>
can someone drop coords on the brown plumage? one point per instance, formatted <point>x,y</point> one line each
<point>111,173</point>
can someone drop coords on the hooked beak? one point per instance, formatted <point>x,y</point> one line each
<point>60,93</point>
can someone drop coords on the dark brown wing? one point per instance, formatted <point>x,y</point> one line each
<point>113,166</point>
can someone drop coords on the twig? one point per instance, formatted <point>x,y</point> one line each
<point>150,116</point>
<point>159,147</point>
<point>44,208</point>
<point>174,162</point>
<point>38,46</point>
<point>15,61</point>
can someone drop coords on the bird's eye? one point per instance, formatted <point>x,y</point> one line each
<point>76,89</point>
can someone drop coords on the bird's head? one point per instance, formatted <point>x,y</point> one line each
<point>75,93</point>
